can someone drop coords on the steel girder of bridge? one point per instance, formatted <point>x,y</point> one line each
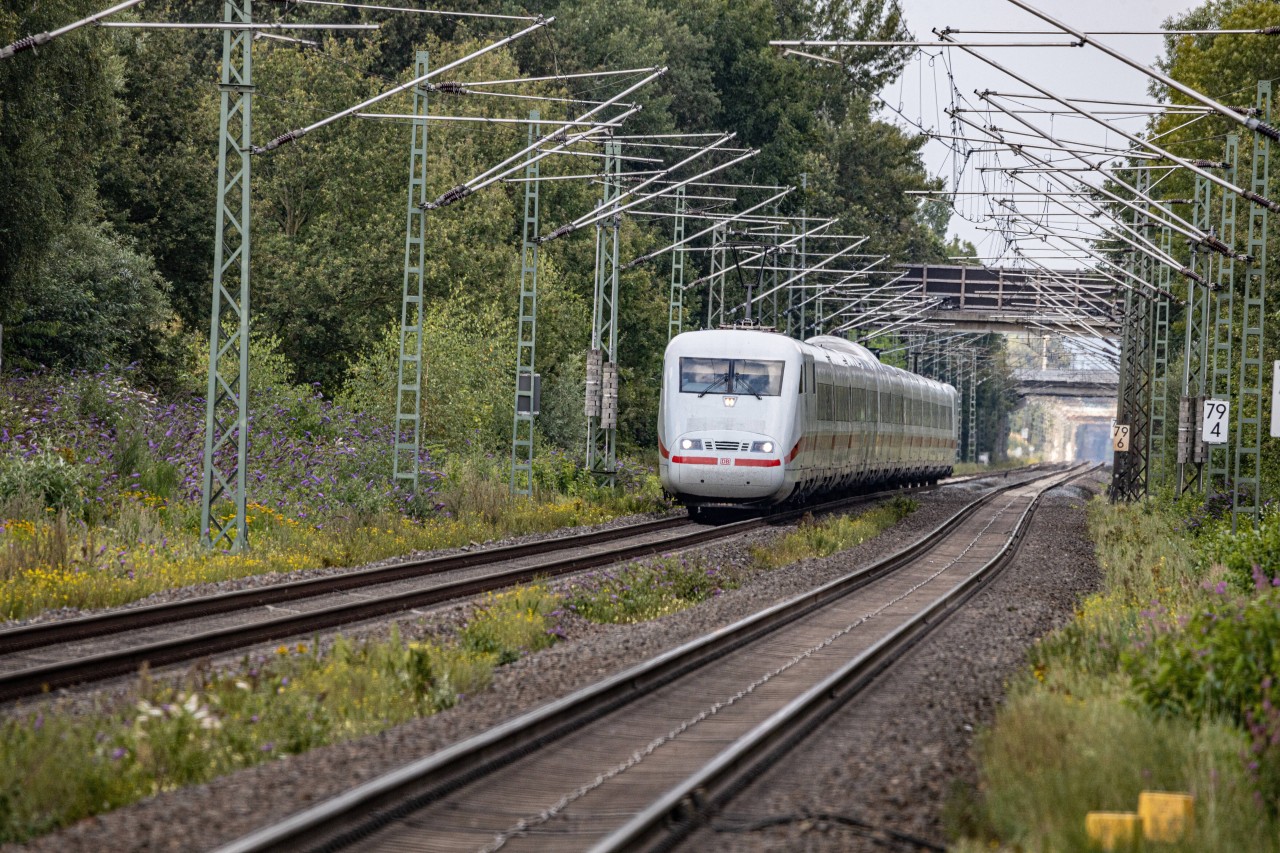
<point>1001,299</point>
<point>1066,383</point>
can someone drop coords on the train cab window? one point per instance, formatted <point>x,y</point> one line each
<point>700,375</point>
<point>731,376</point>
<point>751,376</point>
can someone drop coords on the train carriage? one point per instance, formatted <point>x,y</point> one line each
<point>749,417</point>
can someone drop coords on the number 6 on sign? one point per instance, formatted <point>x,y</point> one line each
<point>1214,426</point>
<point>1120,437</point>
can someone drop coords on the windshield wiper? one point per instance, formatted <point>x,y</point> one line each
<point>707,390</point>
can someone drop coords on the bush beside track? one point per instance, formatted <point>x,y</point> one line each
<point>100,498</point>
<point>1166,680</point>
<point>162,735</point>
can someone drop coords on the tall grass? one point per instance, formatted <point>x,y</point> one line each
<point>54,563</point>
<point>1056,756</point>
<point>100,490</point>
<point>58,765</point>
<point>1133,695</point>
<point>831,535</point>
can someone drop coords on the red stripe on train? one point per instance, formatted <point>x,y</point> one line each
<point>662,449</point>
<point>695,460</point>
<point>757,463</point>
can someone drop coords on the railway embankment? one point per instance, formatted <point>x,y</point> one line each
<point>416,683</point>
<point>1164,680</point>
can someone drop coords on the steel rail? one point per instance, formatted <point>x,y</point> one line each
<point>384,799</point>
<point>687,803</point>
<point>116,621</point>
<point>90,668</point>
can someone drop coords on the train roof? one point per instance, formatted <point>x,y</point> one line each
<point>844,347</point>
<point>745,343</point>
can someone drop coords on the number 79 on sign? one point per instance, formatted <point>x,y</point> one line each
<point>1120,438</point>
<point>1214,425</point>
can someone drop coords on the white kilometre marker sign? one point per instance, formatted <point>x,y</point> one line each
<point>1275,400</point>
<point>1214,425</point>
<point>1120,437</point>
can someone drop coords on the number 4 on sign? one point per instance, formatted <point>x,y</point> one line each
<point>1214,426</point>
<point>1120,437</point>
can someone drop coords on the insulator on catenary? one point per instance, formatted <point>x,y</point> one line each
<point>1209,164</point>
<point>275,143</point>
<point>559,232</point>
<point>1262,200</point>
<point>451,87</point>
<point>1214,243</point>
<point>461,191</point>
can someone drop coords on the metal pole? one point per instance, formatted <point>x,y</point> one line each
<point>406,457</point>
<point>226,423</point>
<point>1222,310</point>
<point>1250,423</point>
<point>526,397</point>
<point>602,416</point>
<point>803,324</point>
<point>1160,365</point>
<point>1190,446</point>
<point>675,298</point>
<point>715,282</point>
<point>972,437</point>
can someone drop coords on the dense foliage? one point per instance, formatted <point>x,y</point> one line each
<point>107,171</point>
<point>1228,68</point>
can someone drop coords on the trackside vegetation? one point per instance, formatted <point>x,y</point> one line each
<point>100,496</point>
<point>831,535</point>
<point>59,764</point>
<point>1165,680</point>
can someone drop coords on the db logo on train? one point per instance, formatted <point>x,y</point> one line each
<point>725,460</point>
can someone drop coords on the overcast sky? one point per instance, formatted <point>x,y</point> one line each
<point>923,91</point>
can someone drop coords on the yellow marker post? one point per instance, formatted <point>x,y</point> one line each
<point>1165,816</point>
<point>1113,830</point>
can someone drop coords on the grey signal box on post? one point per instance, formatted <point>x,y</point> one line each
<point>529,394</point>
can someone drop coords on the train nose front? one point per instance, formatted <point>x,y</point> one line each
<point>726,465</point>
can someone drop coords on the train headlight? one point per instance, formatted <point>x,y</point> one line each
<point>762,447</point>
<point>691,444</point>
<point>730,402</point>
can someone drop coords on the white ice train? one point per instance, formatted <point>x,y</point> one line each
<point>754,418</point>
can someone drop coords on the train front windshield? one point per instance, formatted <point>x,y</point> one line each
<point>731,376</point>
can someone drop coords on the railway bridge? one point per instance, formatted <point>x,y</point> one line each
<point>1002,299</point>
<point>1066,382</point>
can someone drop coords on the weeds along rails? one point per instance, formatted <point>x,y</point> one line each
<point>754,418</point>
<point>65,653</point>
<point>627,762</point>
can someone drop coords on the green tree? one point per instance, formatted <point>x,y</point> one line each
<point>57,116</point>
<point>97,301</point>
<point>158,183</point>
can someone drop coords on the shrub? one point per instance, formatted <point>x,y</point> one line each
<point>46,477</point>
<point>1220,662</point>
<point>646,590</point>
<point>1053,757</point>
<point>1247,548</point>
<point>831,535</point>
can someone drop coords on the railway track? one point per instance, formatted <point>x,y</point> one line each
<point>47,656</point>
<point>636,760</point>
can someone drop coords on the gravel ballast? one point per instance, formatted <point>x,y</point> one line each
<point>203,816</point>
<point>891,760</point>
